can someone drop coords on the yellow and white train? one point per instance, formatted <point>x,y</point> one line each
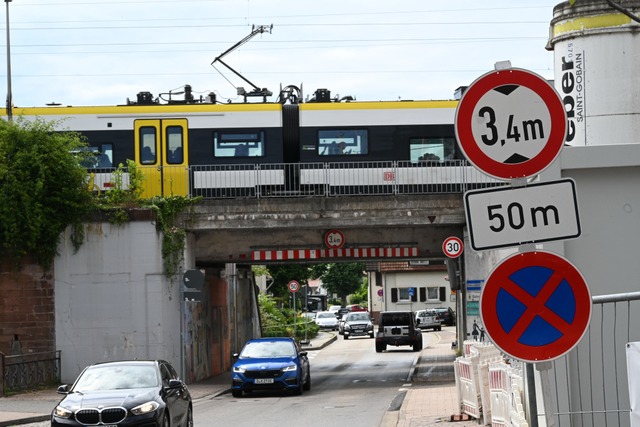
<point>199,147</point>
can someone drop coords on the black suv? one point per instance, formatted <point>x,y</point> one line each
<point>398,328</point>
<point>447,315</point>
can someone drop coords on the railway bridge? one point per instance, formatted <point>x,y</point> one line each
<point>270,230</point>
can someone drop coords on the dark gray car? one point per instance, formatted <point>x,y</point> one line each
<point>357,323</point>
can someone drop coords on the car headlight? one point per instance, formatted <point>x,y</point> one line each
<point>239,369</point>
<point>290,368</point>
<point>145,408</point>
<point>61,412</point>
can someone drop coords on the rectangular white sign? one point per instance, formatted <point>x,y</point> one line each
<point>633,370</point>
<point>512,216</point>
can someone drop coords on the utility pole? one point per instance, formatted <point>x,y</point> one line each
<point>9,96</point>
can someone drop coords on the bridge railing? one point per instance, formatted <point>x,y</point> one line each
<point>335,179</point>
<point>310,179</point>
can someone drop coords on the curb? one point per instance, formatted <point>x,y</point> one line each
<point>26,420</point>
<point>323,345</point>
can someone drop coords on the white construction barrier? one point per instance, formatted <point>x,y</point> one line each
<point>489,389</point>
<point>468,385</point>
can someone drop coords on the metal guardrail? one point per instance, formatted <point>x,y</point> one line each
<point>29,371</point>
<point>590,384</point>
<point>307,179</point>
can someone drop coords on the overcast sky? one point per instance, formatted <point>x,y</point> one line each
<point>90,52</point>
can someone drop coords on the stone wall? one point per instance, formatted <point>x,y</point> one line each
<point>27,319</point>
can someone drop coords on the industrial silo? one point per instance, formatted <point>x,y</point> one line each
<point>597,70</point>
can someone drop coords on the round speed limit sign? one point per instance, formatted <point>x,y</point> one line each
<point>511,123</point>
<point>452,247</point>
<point>294,286</point>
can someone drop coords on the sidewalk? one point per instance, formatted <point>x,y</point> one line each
<point>430,400</point>
<point>431,397</point>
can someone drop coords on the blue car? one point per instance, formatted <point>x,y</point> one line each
<point>270,364</point>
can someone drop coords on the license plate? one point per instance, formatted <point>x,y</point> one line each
<point>358,330</point>
<point>264,381</point>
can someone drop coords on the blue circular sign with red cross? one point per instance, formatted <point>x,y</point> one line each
<point>535,306</point>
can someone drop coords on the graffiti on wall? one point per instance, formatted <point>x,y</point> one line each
<point>196,332</point>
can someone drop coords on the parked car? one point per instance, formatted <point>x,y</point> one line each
<point>428,319</point>
<point>270,364</point>
<point>341,320</point>
<point>357,323</point>
<point>334,308</point>
<point>398,328</point>
<point>125,393</point>
<point>356,307</point>
<point>447,315</point>
<point>327,320</point>
<point>311,315</point>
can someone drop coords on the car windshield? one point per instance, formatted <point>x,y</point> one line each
<point>117,377</point>
<point>267,349</point>
<point>325,315</point>
<point>357,316</point>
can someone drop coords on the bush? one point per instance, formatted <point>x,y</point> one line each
<point>277,322</point>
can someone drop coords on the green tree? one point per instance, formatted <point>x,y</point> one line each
<point>342,279</point>
<point>43,189</point>
<point>360,296</point>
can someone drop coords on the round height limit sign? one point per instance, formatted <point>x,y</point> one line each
<point>511,123</point>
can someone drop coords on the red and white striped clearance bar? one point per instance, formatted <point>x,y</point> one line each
<point>297,254</point>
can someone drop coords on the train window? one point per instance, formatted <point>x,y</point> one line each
<point>431,149</point>
<point>343,142</point>
<point>105,156</point>
<point>174,145</point>
<point>148,145</point>
<point>238,144</point>
<point>96,157</point>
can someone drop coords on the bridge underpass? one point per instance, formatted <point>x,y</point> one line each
<point>259,231</point>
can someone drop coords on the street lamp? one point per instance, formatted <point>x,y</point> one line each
<point>9,96</point>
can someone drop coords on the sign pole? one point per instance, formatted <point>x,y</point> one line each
<point>544,370</point>
<point>294,287</point>
<point>453,248</point>
<point>531,403</point>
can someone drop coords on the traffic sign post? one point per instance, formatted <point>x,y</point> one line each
<point>511,123</point>
<point>511,216</point>
<point>452,247</point>
<point>535,306</point>
<point>293,286</point>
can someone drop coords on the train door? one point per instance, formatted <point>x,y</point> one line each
<point>161,153</point>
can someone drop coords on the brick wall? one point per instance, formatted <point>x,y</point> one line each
<point>27,309</point>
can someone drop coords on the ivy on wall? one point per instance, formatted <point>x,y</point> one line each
<point>44,188</point>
